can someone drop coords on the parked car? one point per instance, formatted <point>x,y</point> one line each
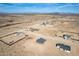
<point>63,47</point>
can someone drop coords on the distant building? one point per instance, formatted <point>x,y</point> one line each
<point>66,36</point>
<point>40,40</point>
<point>63,47</point>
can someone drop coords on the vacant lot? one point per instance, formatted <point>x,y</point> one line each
<point>19,34</point>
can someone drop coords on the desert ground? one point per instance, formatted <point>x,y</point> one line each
<point>19,34</point>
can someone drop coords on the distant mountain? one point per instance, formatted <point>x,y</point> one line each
<point>55,13</point>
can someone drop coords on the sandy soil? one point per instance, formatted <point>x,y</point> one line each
<point>18,34</point>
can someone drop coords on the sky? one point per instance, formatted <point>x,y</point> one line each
<point>39,8</point>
